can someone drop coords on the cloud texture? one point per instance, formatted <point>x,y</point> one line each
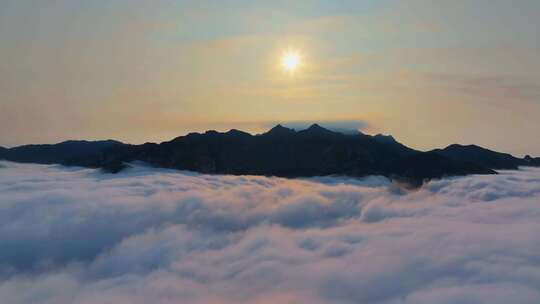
<point>71,235</point>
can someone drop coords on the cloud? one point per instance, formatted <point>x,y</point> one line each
<point>337,125</point>
<point>70,235</point>
<point>488,87</point>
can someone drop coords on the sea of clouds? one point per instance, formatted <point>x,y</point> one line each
<point>72,235</point>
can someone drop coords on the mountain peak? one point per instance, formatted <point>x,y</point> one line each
<point>476,154</point>
<point>236,132</point>
<point>211,132</point>
<point>459,146</point>
<point>279,127</point>
<point>88,142</point>
<point>316,129</point>
<point>316,126</point>
<point>280,130</point>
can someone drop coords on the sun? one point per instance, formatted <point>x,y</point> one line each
<point>291,60</point>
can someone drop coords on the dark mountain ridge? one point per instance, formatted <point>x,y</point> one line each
<point>281,151</point>
<point>532,161</point>
<point>56,153</point>
<point>482,156</point>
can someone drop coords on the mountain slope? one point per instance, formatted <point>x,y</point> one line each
<point>532,161</point>
<point>57,153</point>
<point>419,167</point>
<point>481,156</point>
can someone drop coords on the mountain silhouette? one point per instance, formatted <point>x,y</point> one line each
<point>56,153</point>
<point>281,151</point>
<point>482,156</point>
<point>531,161</point>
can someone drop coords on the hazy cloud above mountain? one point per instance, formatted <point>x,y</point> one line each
<point>347,126</point>
<point>71,235</point>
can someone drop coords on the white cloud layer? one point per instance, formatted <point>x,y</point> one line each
<point>71,235</point>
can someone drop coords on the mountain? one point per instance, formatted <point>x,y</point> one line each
<point>384,138</point>
<point>281,151</point>
<point>532,161</point>
<point>317,131</point>
<point>417,168</point>
<point>280,130</point>
<point>57,153</point>
<point>481,156</point>
<point>3,152</point>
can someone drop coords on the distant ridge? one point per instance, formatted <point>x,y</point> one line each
<point>281,151</point>
<point>56,153</point>
<point>280,130</point>
<point>482,156</point>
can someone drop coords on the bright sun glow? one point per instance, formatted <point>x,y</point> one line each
<point>291,61</point>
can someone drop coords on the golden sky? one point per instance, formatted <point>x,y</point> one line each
<point>431,73</point>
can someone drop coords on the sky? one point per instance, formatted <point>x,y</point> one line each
<point>429,72</point>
